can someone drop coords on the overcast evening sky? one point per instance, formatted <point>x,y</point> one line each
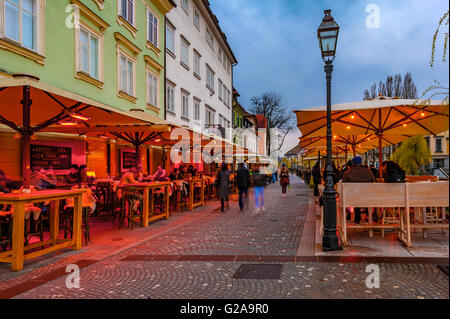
<point>275,42</point>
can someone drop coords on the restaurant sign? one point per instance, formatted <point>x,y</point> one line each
<point>59,158</point>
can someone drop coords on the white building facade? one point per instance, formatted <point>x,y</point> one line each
<point>199,70</point>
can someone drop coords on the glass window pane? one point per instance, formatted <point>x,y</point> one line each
<point>28,5</point>
<point>12,22</point>
<point>130,11</point>
<point>28,30</point>
<point>84,58</point>
<point>94,64</point>
<point>84,37</point>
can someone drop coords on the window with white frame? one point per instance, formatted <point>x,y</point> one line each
<point>170,37</point>
<point>170,97</point>
<point>210,77</point>
<point>210,38</point>
<point>126,74</point>
<point>224,95</point>
<point>220,90</point>
<point>152,25</point>
<point>127,10</point>
<point>185,5</point>
<point>209,115</point>
<point>197,19</point>
<point>185,104</point>
<point>152,88</point>
<point>224,61</point>
<point>184,51</point>
<point>229,66</point>
<point>220,55</point>
<point>20,22</point>
<point>89,53</point>
<point>197,58</point>
<point>196,109</point>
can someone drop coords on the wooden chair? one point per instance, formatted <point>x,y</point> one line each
<point>5,229</point>
<point>131,206</point>
<point>88,203</point>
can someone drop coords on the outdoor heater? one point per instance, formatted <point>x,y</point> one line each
<point>328,34</point>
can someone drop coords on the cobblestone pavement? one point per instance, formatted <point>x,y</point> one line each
<point>192,262</point>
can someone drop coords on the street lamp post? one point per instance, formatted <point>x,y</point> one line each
<point>328,34</point>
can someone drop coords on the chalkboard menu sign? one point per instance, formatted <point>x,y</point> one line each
<point>128,160</point>
<point>45,156</point>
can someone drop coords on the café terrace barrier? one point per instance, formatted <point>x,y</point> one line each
<point>428,199</point>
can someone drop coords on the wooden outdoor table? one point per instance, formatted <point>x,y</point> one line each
<point>16,255</point>
<point>192,182</point>
<point>149,200</point>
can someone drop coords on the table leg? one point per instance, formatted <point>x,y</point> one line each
<point>202,196</point>
<point>166,202</point>
<point>77,221</point>
<point>370,222</point>
<point>408,227</point>
<point>18,236</point>
<point>145,205</point>
<point>54,221</point>
<point>191,196</point>
<point>152,202</point>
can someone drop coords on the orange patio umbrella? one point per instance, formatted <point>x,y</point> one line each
<point>381,117</point>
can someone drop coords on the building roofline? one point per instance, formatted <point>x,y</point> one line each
<point>222,34</point>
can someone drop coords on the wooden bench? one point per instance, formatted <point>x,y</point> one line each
<point>399,195</point>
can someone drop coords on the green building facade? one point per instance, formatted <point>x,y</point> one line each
<point>109,51</point>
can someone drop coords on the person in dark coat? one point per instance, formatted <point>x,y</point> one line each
<point>393,173</point>
<point>344,169</point>
<point>374,171</point>
<point>243,182</point>
<point>307,175</point>
<point>284,180</point>
<point>317,178</point>
<point>223,183</point>
<point>74,175</point>
<point>358,174</point>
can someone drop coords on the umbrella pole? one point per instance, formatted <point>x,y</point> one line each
<point>26,137</point>
<point>380,154</point>
<point>138,155</point>
<point>380,146</point>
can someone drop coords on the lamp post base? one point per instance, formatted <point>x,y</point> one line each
<point>330,243</point>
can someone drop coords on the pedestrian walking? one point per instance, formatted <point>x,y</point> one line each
<point>243,182</point>
<point>223,185</point>
<point>317,178</point>
<point>307,177</point>
<point>259,182</point>
<point>284,180</point>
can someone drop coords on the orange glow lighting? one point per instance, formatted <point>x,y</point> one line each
<point>68,123</point>
<point>79,117</point>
